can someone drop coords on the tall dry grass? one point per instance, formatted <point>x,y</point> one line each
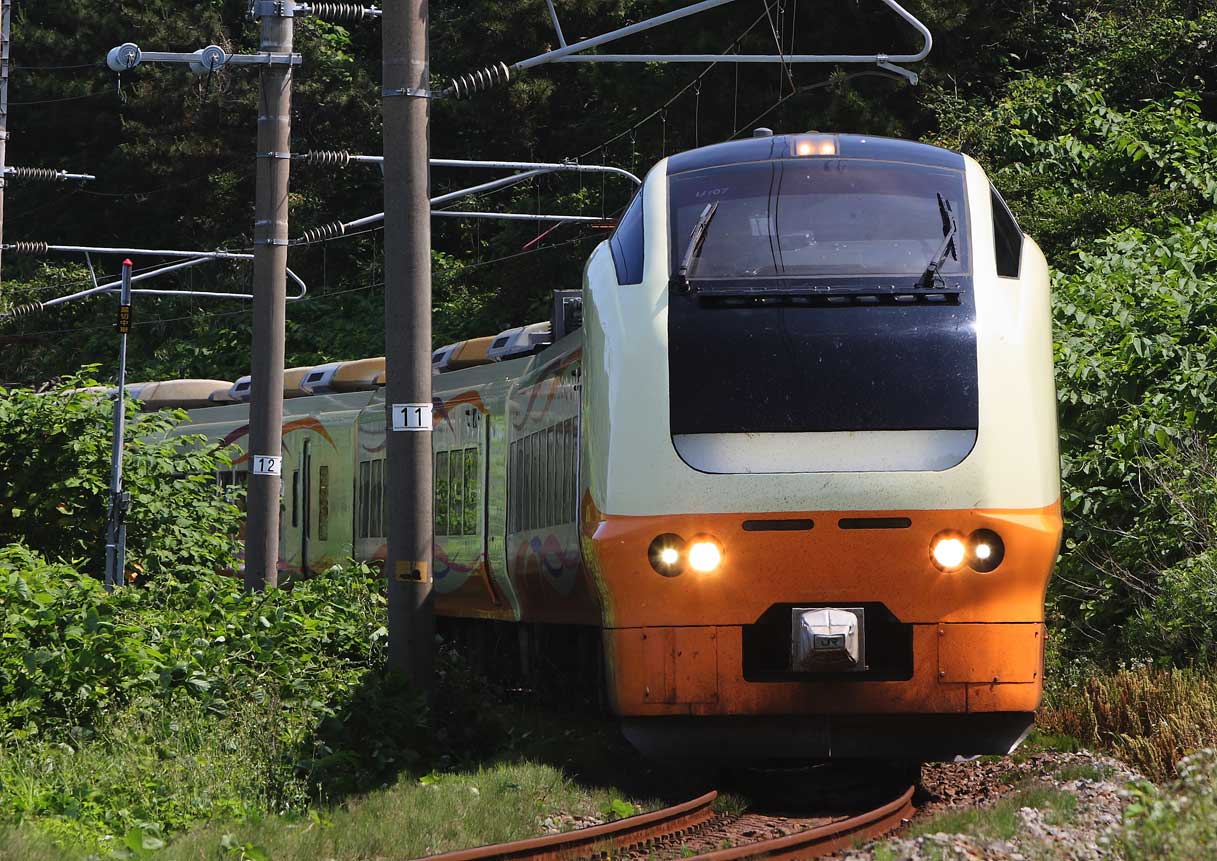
<point>1150,718</point>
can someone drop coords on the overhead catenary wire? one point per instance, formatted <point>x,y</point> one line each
<point>733,47</point>
<point>312,297</point>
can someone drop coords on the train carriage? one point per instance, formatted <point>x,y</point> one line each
<point>796,473</point>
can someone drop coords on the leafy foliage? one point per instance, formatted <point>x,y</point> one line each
<point>71,650</point>
<point>1178,821</point>
<point>55,450</point>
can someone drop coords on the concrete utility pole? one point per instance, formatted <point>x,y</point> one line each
<point>408,337</point>
<point>270,291</point>
<point>6,16</point>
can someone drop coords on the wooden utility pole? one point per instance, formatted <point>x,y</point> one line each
<point>270,299</point>
<point>406,97</point>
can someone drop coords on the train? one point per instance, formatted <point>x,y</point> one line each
<point>786,463</point>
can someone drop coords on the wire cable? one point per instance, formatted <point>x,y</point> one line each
<point>732,47</point>
<point>64,99</point>
<point>819,85</point>
<point>363,288</point>
<point>58,68</point>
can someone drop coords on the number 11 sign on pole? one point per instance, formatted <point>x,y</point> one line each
<point>411,417</point>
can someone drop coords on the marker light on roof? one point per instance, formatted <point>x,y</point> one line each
<point>815,145</point>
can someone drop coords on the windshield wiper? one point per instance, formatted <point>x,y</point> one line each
<point>949,229</point>
<point>697,238</point>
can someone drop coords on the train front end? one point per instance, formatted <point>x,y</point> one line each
<point>821,494</point>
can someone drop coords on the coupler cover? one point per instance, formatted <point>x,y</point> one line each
<point>828,639</point>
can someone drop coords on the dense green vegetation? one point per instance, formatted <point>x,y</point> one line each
<point>54,484</point>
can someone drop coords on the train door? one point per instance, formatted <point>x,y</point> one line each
<point>306,504</point>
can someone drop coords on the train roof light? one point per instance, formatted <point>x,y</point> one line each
<point>810,145</point>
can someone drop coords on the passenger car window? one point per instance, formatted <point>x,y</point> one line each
<point>1007,238</point>
<point>628,244</point>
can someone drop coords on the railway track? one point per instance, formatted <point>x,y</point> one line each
<point>633,834</point>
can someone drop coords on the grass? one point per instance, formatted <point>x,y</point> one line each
<point>1177,822</point>
<point>150,771</point>
<point>193,785</point>
<point>178,780</point>
<point>1000,821</point>
<point>1147,717</point>
<point>412,818</point>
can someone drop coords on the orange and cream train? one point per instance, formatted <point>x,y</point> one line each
<point>796,471</point>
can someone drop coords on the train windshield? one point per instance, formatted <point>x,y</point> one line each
<point>804,218</point>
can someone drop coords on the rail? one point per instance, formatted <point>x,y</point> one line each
<point>592,842</point>
<point>604,840</point>
<point>823,839</point>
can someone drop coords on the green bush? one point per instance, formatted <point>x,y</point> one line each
<point>71,650</point>
<point>55,474</point>
<point>1177,822</point>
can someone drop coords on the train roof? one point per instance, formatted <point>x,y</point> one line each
<point>768,147</point>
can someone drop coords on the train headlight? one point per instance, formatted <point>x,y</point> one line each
<point>705,554</point>
<point>985,550</point>
<point>949,551</point>
<point>667,553</point>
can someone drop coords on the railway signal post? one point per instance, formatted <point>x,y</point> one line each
<point>408,337</point>
<point>116,528</point>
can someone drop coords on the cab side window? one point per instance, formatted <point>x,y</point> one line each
<point>1007,238</point>
<point>628,244</point>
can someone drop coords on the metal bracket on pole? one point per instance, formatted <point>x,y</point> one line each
<point>341,158</point>
<point>412,92</point>
<point>203,61</point>
<point>268,8</point>
<point>465,85</point>
<point>192,258</point>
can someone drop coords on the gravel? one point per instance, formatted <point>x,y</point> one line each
<point>1088,834</point>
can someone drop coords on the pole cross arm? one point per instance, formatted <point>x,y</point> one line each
<point>465,85</point>
<point>203,61</point>
<point>187,259</point>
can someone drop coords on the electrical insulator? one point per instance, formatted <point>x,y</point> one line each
<point>23,310</point>
<point>36,248</point>
<point>324,232</point>
<point>328,158</point>
<point>464,86</point>
<point>38,174</point>
<point>208,59</point>
<point>338,11</point>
